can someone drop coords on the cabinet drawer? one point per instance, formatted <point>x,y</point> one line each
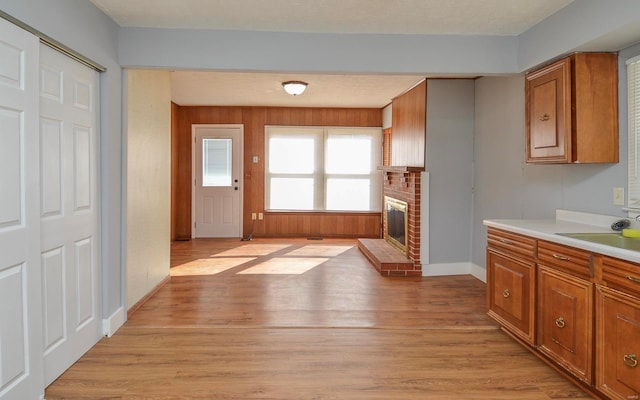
<point>568,259</point>
<point>621,275</point>
<point>511,242</point>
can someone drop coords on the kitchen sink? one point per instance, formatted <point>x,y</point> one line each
<point>614,239</point>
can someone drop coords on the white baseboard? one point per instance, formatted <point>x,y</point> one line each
<point>479,272</point>
<point>462,268</point>
<point>113,323</point>
<point>444,269</point>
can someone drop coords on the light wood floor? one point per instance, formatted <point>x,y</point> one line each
<point>299,319</point>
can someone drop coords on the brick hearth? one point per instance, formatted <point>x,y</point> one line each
<point>402,183</point>
<point>387,259</point>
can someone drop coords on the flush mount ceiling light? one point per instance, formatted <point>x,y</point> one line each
<point>294,88</point>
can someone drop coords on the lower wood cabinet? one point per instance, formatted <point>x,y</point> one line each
<point>565,321</point>
<point>617,344</point>
<point>511,294</point>
<point>577,310</point>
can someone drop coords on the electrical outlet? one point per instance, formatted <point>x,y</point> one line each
<point>253,216</point>
<point>618,196</point>
<point>260,216</point>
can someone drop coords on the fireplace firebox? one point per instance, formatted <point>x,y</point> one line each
<point>395,221</point>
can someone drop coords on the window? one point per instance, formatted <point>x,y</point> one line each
<point>315,168</point>
<point>216,162</point>
<point>633,85</point>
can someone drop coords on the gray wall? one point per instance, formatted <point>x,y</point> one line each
<point>312,52</point>
<point>79,25</point>
<point>506,187</point>
<point>584,25</point>
<point>449,157</point>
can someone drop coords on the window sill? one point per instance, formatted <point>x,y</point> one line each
<point>320,212</point>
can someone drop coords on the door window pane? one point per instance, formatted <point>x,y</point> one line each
<point>348,194</point>
<point>216,162</point>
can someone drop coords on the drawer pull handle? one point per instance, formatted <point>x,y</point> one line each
<point>544,117</point>
<point>630,360</point>
<point>506,241</point>
<point>560,322</point>
<point>560,257</point>
<point>633,279</point>
<point>506,293</point>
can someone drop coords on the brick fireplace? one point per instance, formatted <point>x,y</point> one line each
<point>401,183</point>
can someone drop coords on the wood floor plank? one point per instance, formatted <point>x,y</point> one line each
<point>337,331</point>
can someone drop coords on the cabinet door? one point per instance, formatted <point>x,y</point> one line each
<point>565,328</point>
<point>510,294</point>
<point>548,115</point>
<point>617,344</point>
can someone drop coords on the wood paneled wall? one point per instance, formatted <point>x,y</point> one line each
<point>386,147</point>
<point>409,116</point>
<point>254,120</point>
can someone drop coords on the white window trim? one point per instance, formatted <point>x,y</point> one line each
<point>633,106</point>
<point>320,177</point>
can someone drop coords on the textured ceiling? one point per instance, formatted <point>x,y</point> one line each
<point>472,17</point>
<point>265,89</point>
<point>476,17</point>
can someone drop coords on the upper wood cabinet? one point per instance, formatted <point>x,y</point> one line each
<point>572,110</point>
<point>409,116</point>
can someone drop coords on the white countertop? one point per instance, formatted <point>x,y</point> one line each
<point>565,222</point>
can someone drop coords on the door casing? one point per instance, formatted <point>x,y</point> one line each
<point>195,172</point>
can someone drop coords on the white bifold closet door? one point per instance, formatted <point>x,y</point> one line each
<point>69,210</point>
<point>21,362</point>
<point>49,213</point>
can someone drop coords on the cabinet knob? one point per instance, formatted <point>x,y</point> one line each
<point>544,117</point>
<point>630,360</point>
<point>506,293</point>
<point>560,322</point>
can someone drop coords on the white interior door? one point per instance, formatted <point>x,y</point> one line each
<point>217,177</point>
<point>69,210</point>
<point>21,366</point>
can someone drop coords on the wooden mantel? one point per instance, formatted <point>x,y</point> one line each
<point>400,169</point>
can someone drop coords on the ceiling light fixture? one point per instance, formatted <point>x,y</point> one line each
<point>294,88</point>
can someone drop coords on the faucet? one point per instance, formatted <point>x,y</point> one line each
<point>621,224</point>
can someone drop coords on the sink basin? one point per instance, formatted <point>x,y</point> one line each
<point>614,239</point>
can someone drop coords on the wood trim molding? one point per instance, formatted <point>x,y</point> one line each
<point>143,300</point>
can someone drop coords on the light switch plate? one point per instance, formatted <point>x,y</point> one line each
<point>618,196</point>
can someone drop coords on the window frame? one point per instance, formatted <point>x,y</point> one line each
<point>321,136</point>
<point>633,116</point>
